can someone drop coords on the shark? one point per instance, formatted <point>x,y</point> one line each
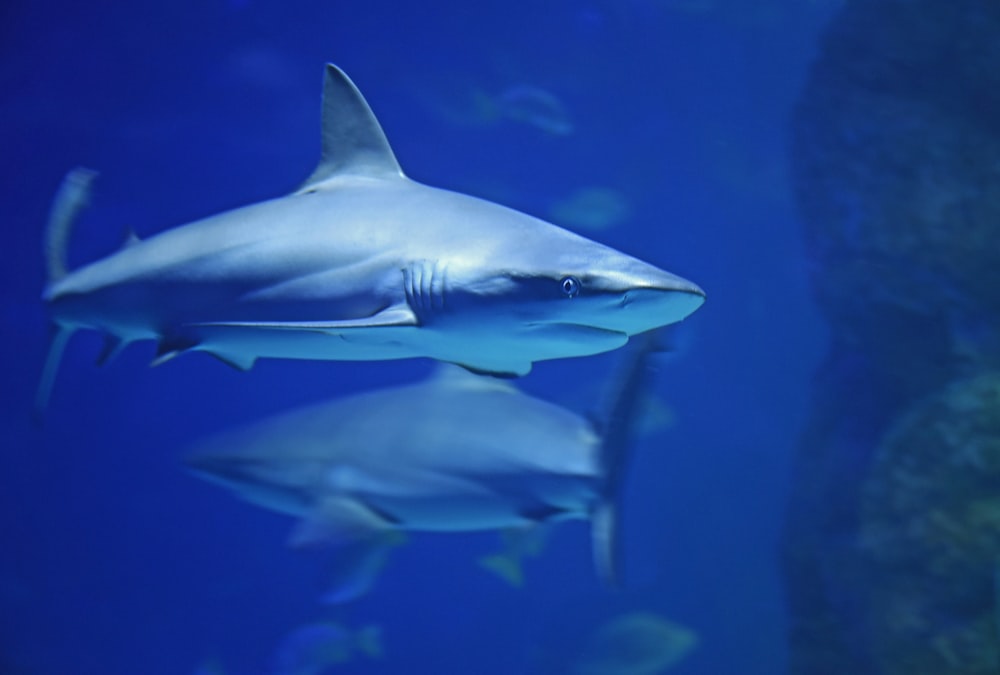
<point>456,452</point>
<point>359,263</point>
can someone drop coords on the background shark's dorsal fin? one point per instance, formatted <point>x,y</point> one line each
<point>353,142</point>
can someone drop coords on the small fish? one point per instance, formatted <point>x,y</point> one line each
<point>535,107</point>
<point>518,544</point>
<point>593,208</point>
<point>360,263</point>
<point>210,667</point>
<point>638,643</point>
<point>456,452</point>
<point>314,648</point>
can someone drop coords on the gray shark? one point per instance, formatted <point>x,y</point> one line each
<point>456,452</point>
<point>360,263</point>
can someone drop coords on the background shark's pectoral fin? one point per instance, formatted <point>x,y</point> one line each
<point>358,539</point>
<point>353,569</point>
<point>506,370</point>
<point>338,522</point>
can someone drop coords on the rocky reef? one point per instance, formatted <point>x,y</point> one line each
<point>930,531</point>
<point>892,544</point>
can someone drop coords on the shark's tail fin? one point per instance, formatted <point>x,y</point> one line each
<point>621,410</point>
<point>72,197</point>
<point>61,335</point>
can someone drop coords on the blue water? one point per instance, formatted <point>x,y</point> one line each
<point>117,561</point>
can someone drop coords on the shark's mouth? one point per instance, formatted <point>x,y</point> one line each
<point>582,329</point>
<point>576,339</point>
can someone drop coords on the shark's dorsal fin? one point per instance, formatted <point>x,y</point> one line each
<point>353,143</point>
<point>131,238</point>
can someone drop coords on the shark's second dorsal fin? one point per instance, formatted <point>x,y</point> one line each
<point>353,142</point>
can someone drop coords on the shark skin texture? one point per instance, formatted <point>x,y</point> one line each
<point>360,263</point>
<point>457,452</point>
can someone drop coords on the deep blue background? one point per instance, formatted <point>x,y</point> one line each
<point>116,561</point>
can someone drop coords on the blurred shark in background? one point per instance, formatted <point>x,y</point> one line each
<point>456,452</point>
<point>360,263</point>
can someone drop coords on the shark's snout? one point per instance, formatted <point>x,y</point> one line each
<point>646,298</point>
<point>648,308</point>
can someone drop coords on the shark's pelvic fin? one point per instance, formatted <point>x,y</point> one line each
<point>352,142</point>
<point>170,347</point>
<point>238,361</point>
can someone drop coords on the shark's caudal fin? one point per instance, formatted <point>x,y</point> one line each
<point>353,142</point>
<point>72,197</point>
<point>60,338</point>
<point>619,420</point>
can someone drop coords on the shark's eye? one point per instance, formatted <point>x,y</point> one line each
<point>570,286</point>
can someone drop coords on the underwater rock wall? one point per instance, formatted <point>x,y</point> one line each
<point>892,542</point>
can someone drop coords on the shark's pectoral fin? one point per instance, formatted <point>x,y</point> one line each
<point>506,370</point>
<point>353,569</point>
<point>338,522</point>
<point>358,538</point>
<point>396,315</point>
